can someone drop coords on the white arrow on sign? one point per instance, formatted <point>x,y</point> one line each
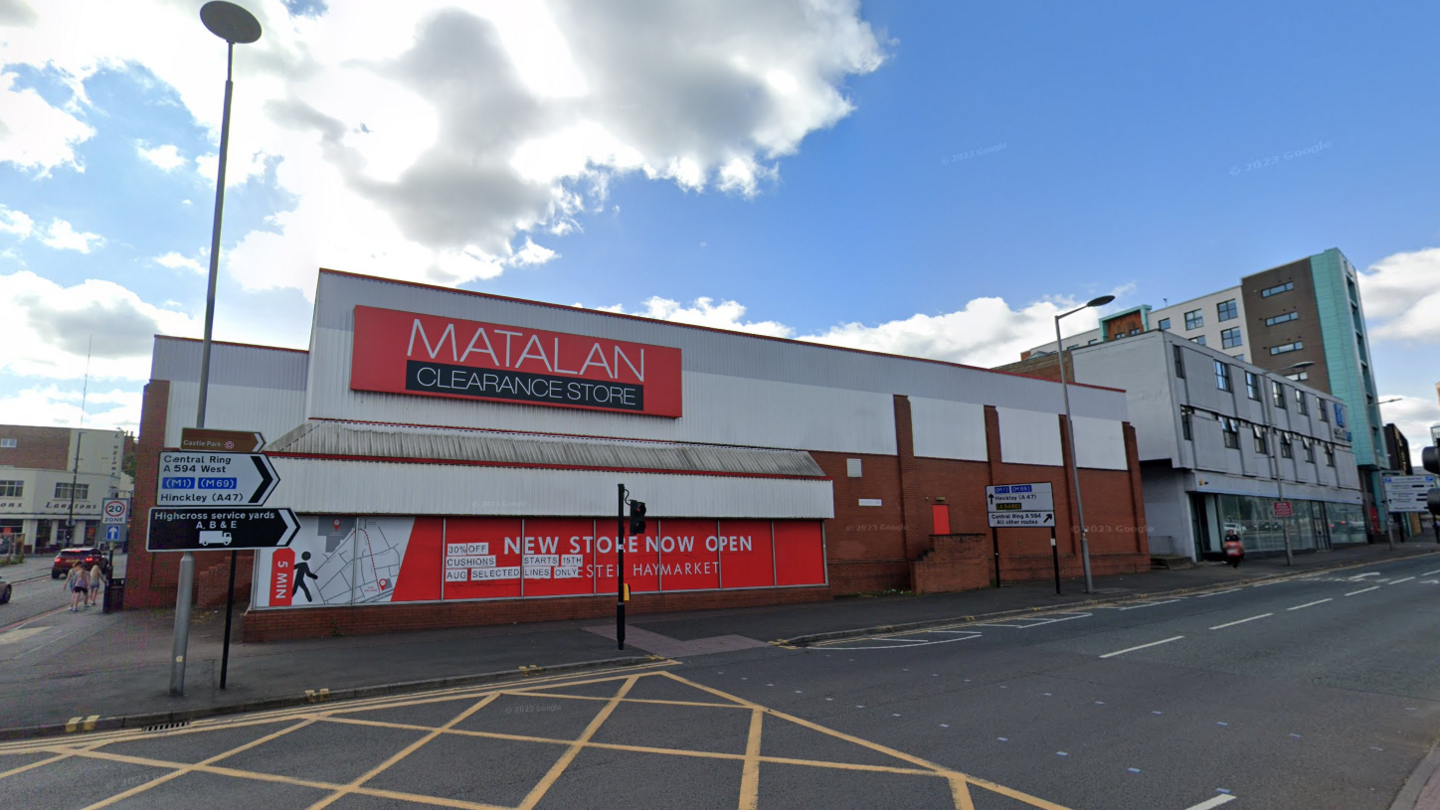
<point>1019,498</point>
<point>215,479</point>
<point>1002,520</point>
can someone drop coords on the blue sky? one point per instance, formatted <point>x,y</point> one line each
<point>912,163</point>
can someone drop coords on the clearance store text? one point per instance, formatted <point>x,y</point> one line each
<point>386,560</point>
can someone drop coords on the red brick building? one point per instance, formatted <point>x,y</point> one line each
<point>454,459</point>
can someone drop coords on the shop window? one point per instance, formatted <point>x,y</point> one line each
<point>1286,318</point>
<point>12,489</point>
<point>62,491</point>
<point>1227,311</point>
<point>1194,319</point>
<point>1277,393</point>
<point>1222,376</point>
<point>1179,362</point>
<point>1230,338</point>
<point>1252,386</point>
<point>1164,324</point>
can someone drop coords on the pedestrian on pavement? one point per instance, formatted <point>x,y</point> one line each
<point>97,578</point>
<point>79,584</point>
<point>1234,548</point>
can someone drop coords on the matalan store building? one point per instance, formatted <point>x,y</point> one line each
<point>454,459</point>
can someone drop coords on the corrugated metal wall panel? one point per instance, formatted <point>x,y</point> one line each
<point>228,407</point>
<point>316,486</point>
<point>325,438</point>
<point>178,360</point>
<point>720,353</point>
<point>718,410</point>
<point>944,429</point>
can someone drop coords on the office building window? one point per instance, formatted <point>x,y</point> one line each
<point>1252,386</point>
<point>1298,376</point>
<point>1230,338</point>
<point>1277,392</point>
<point>1198,339</point>
<point>1286,318</point>
<point>1286,348</point>
<point>62,491</point>
<point>7,442</point>
<point>1300,404</point>
<point>12,489</point>
<point>1310,452</point>
<point>1185,426</point>
<point>1329,456</point>
<point>1230,431</point>
<point>1240,357</point>
<point>1134,331</point>
<point>1277,289</point>
<point>1222,376</point>
<point>1324,413</point>
<point>1287,449</point>
<point>1194,319</point>
<point>1074,346</point>
<point>1093,341</point>
<point>1227,310</point>
<point>1261,446</point>
<point>1164,324</point>
<point>1179,362</point>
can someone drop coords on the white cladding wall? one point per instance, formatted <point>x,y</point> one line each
<point>1099,443</point>
<point>322,486</point>
<point>1029,437</point>
<point>271,411</point>
<point>944,429</point>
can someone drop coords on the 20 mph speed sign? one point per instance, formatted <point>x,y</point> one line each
<point>115,511</point>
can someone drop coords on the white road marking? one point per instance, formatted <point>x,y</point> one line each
<point>1141,647</point>
<point>1430,582</point>
<point>1241,621</point>
<point>1217,593</point>
<point>1431,573</point>
<point>21,633</point>
<point>1149,604</point>
<point>911,643</point>
<point>1402,579</point>
<point>1028,623</point>
<point>46,644</point>
<point>1364,590</point>
<point>1311,604</point>
<point>1362,576</point>
<point>1210,804</point>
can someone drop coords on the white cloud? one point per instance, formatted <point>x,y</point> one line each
<point>17,223</point>
<point>1413,416</point>
<point>986,333</point>
<point>1402,293</point>
<point>431,142</point>
<point>166,156</point>
<point>116,409</point>
<point>61,235</point>
<point>532,254</point>
<point>175,261</point>
<point>48,328</point>
<point>34,135</point>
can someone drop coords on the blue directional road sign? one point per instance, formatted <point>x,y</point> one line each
<point>112,534</point>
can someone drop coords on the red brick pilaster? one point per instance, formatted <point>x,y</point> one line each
<point>914,516</point>
<point>1072,514</point>
<point>1137,491</point>
<point>144,587</point>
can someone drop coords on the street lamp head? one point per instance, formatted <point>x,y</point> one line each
<point>230,22</point>
<point>1299,365</point>
<point>1101,301</point>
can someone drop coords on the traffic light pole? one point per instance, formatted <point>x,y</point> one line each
<point>620,568</point>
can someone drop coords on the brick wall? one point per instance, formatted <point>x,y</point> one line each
<point>212,583</point>
<point>954,563</point>
<point>865,545</point>
<point>279,625</point>
<point>42,448</point>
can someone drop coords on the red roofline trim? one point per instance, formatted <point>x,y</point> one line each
<point>231,343</point>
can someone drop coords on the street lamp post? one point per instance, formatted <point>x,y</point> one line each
<point>1070,436</point>
<point>234,25</point>
<point>1271,427</point>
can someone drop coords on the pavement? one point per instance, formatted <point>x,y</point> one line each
<point>1191,690</point>
<point>55,666</point>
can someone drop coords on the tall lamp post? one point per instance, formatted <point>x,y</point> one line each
<point>234,25</point>
<point>1271,451</point>
<point>1070,436</point>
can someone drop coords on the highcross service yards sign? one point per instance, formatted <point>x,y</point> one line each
<point>428,355</point>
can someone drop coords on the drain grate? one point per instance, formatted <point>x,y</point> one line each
<point>167,726</point>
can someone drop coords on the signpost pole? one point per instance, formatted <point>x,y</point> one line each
<point>620,568</point>
<point>1055,557</point>
<point>229,610</point>
<point>995,544</point>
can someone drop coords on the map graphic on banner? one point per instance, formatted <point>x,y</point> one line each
<point>336,561</point>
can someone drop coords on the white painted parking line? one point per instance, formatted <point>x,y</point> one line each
<point>1364,590</point>
<point>1217,593</point>
<point>1242,621</point>
<point>1431,573</point>
<point>1430,582</point>
<point>1028,623</point>
<point>1141,647</point>
<point>1362,576</point>
<point>1311,604</point>
<point>1210,804</point>
<point>1402,579</point>
<point>1149,604</point>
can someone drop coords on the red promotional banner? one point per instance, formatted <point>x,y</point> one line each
<point>429,355</point>
<point>745,555</point>
<point>799,553</point>
<point>689,555</point>
<point>282,578</point>
<point>558,557</point>
<point>482,558</point>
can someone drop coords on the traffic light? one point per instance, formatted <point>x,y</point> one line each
<point>637,518</point>
<point>1430,457</point>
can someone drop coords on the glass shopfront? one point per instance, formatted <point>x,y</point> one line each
<point>1315,524</point>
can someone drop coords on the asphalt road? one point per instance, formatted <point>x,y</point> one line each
<point>1319,692</point>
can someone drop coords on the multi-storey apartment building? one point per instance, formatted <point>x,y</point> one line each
<point>51,477</point>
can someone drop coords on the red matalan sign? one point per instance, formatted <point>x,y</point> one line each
<point>429,355</point>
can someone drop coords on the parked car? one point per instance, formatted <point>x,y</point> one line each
<point>66,559</point>
<point>4,591</point>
